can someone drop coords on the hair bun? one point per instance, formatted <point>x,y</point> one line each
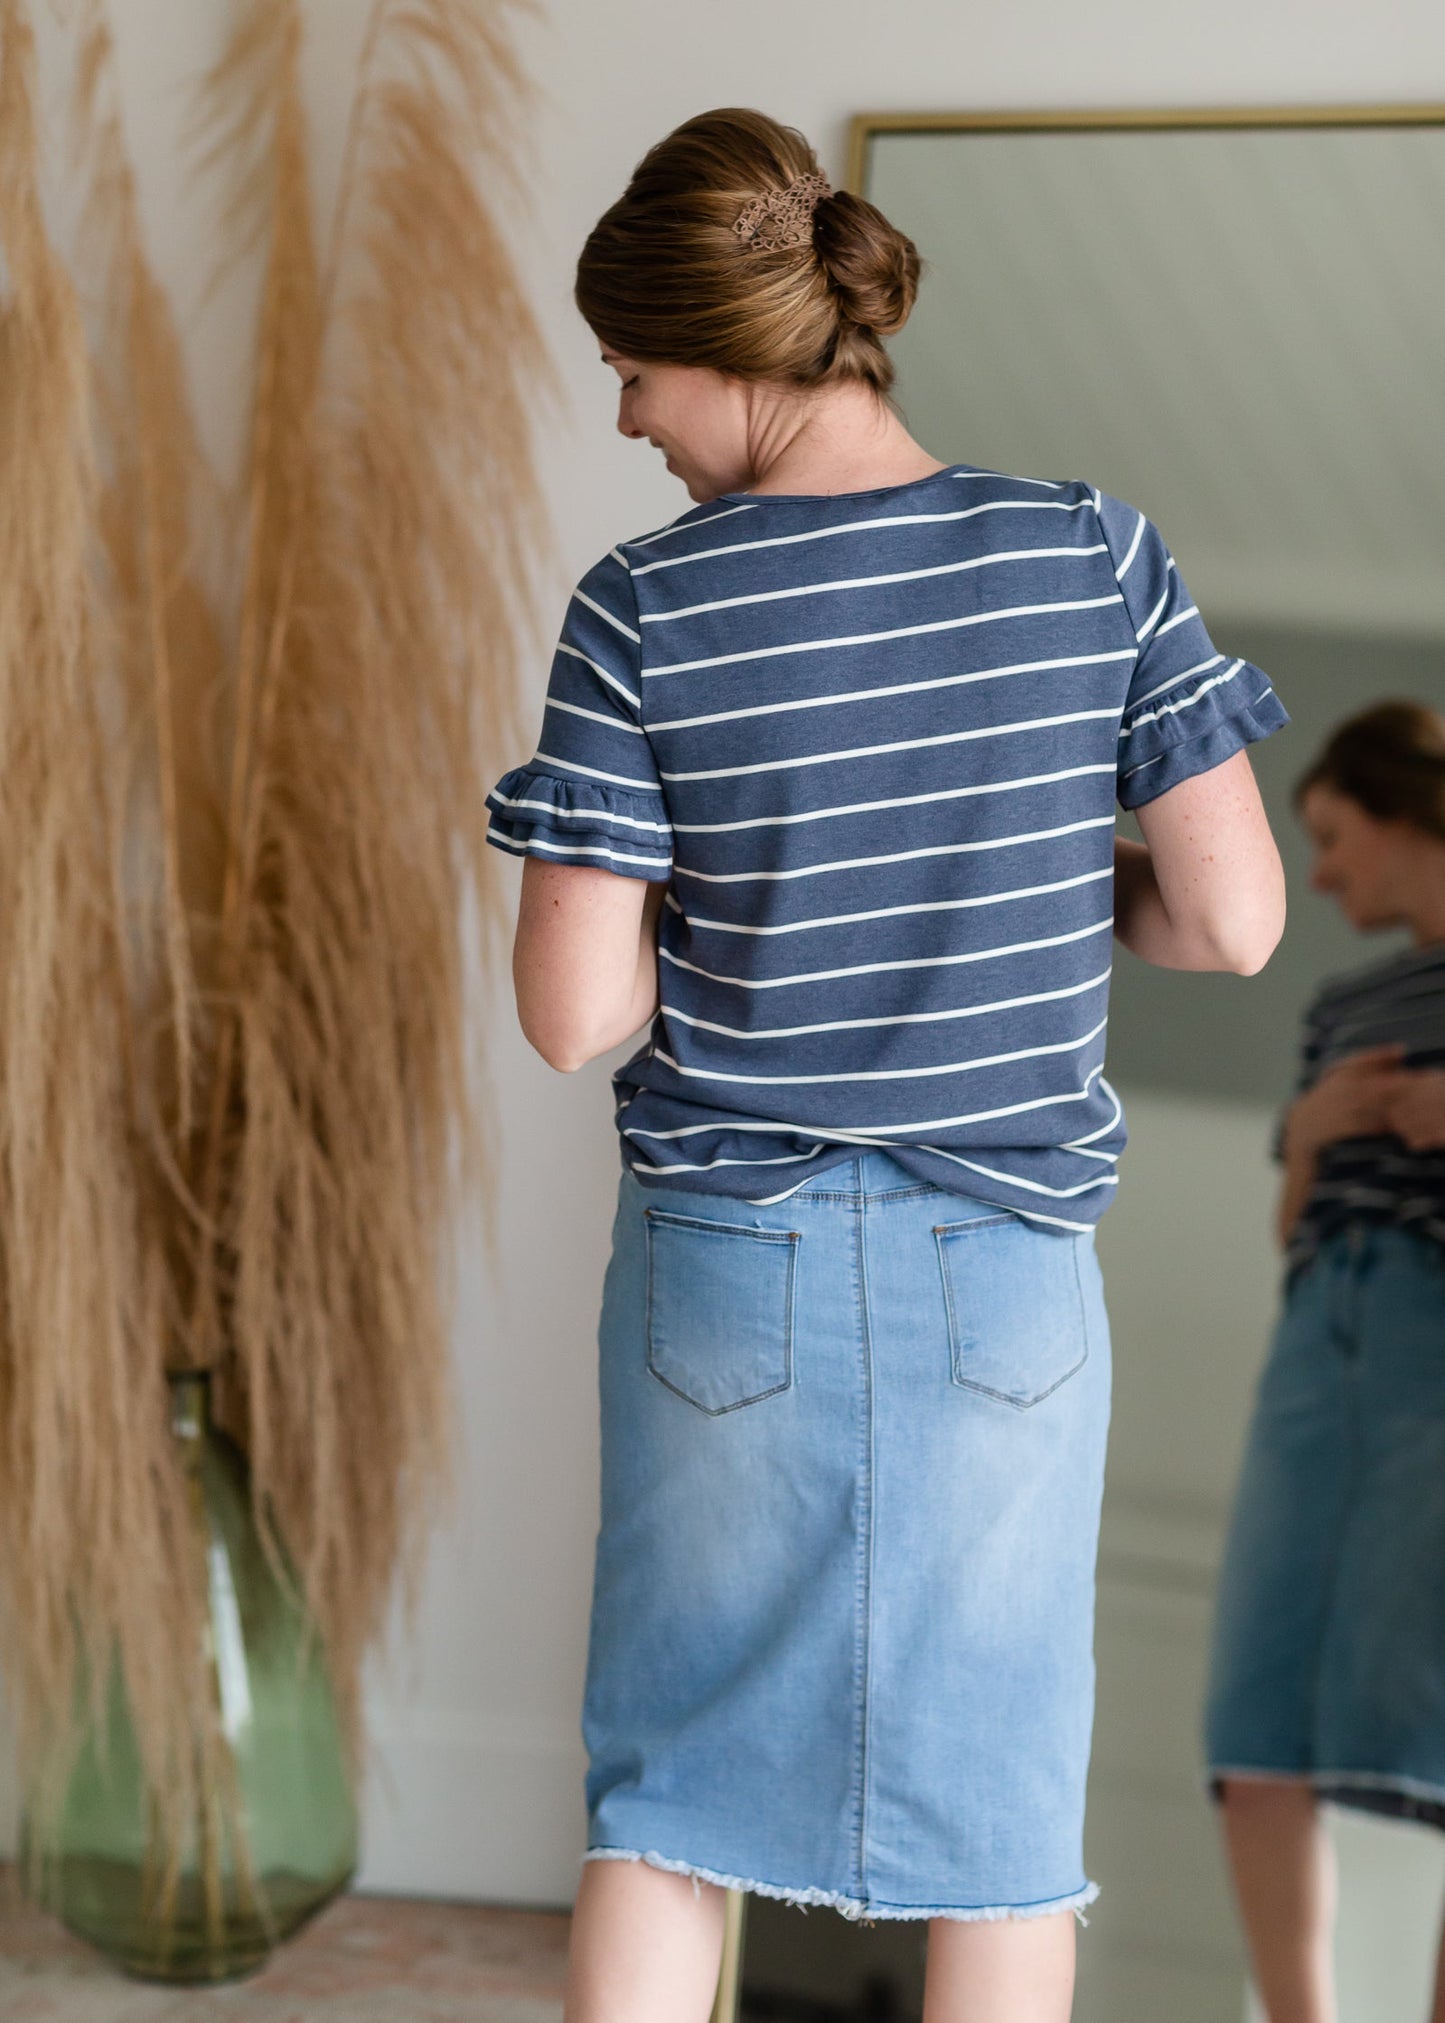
<point>872,267</point>
<point>728,250</point>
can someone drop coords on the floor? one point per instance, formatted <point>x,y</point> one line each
<point>364,1960</point>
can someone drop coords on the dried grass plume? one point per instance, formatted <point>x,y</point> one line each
<point>242,822</point>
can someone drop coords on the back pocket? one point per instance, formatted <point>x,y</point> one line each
<point>719,1309</point>
<point>1015,1305</point>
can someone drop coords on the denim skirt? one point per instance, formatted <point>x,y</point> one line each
<point>1329,1642</point>
<point>841,1636</point>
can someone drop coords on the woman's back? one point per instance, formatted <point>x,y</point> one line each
<point>876,741</point>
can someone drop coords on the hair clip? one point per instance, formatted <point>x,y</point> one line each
<point>782,217</point>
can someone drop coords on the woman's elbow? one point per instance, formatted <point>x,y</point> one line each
<point>565,1064</point>
<point>1245,942</point>
<point>560,1047</point>
<point>1250,958</point>
<point>566,1042</point>
<point>563,1052</point>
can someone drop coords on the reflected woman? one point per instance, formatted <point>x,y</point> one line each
<point>825,799</point>
<point>1328,1676</point>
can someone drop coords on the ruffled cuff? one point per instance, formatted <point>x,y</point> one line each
<point>1192,731</point>
<point>617,829</point>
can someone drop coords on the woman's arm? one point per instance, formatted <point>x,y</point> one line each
<point>584,962</point>
<point>1205,889</point>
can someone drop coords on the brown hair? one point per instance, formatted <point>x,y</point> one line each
<point>663,275</point>
<point>1390,760</point>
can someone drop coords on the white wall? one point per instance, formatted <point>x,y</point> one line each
<point>479,1762</point>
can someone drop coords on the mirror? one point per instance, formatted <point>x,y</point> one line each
<point>1236,328</point>
<point>1233,320</point>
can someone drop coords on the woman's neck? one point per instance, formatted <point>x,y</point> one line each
<point>1424,914</point>
<point>846,439</point>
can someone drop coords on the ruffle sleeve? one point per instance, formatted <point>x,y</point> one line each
<point>1189,707</point>
<point>575,821</point>
<point>1194,726</point>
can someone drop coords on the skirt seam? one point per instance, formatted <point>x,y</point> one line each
<point>865,1567</point>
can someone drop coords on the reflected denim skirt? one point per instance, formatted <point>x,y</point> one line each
<point>841,1637</point>
<point>1329,1638</point>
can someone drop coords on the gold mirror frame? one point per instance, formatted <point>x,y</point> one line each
<point>864,126</point>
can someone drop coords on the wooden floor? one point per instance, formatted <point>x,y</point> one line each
<point>363,1960</point>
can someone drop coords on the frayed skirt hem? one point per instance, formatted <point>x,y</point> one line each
<point>857,1909</point>
<point>1377,1791</point>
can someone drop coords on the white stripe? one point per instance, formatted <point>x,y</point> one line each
<point>1174,708</point>
<point>574,850</point>
<point>1078,1144</point>
<point>617,555</point>
<point>613,723</point>
<point>594,773</point>
<point>734,1126</point>
<point>1199,667</point>
<point>895,801</point>
<point>579,814</point>
<point>876,968</point>
<point>893,632</point>
<point>602,612</point>
<point>893,689</point>
<point>870,1134</point>
<point>597,668</point>
<point>709,1165</point>
<point>1054,1221</point>
<point>1041,723</point>
<point>972,1011</point>
<point>1190,611</point>
<point>682,525</point>
<point>1034,1186</point>
<point>892,912</point>
<point>771,1200</point>
<point>1006,478</point>
<point>867,526</point>
<point>1152,620</point>
<point>1128,561</point>
<point>897,856</point>
<point>883,1074</point>
<point>866,582</point>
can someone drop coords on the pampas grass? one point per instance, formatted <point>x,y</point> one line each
<point>242,822</point>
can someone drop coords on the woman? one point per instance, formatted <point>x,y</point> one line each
<point>1329,1662</point>
<point>825,797</point>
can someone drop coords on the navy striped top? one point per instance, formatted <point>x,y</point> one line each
<point>873,742</point>
<point>1376,1179</point>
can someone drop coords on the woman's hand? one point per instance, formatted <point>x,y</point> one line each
<point>1415,1108</point>
<point>1353,1099</point>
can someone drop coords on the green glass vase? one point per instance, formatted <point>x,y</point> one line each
<point>281,1840</point>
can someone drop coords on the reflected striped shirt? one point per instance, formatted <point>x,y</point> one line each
<point>1398,1001</point>
<point>873,742</point>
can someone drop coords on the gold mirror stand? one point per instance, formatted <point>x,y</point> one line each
<point>730,1973</point>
